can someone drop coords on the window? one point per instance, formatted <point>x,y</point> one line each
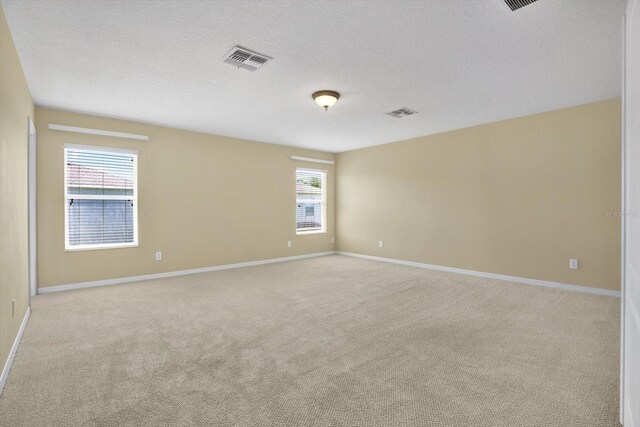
<point>311,201</point>
<point>100,198</point>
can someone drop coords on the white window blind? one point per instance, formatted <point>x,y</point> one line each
<point>311,201</point>
<point>100,198</point>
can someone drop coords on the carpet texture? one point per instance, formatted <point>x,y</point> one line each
<point>331,341</point>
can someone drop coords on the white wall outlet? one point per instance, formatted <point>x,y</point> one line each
<point>333,240</point>
<point>158,256</point>
<point>573,264</point>
<point>380,244</point>
<point>288,243</point>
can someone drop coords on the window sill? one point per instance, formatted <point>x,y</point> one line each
<point>100,247</point>
<point>302,233</point>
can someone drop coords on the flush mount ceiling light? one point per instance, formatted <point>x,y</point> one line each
<point>326,98</point>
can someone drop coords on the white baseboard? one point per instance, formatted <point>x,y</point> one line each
<point>503,277</point>
<point>120,280</point>
<point>14,348</point>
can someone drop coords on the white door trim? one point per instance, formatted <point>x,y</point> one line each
<point>623,209</point>
<point>32,183</point>
<point>630,325</point>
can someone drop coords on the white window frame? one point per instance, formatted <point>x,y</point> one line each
<point>134,198</point>
<point>323,200</point>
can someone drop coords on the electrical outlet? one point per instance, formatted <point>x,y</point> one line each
<point>13,308</point>
<point>573,264</point>
<point>288,243</point>
<point>158,256</point>
<point>380,244</point>
<point>333,240</point>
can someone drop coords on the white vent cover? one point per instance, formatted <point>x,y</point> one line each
<point>244,58</point>
<point>517,4</point>
<point>401,112</point>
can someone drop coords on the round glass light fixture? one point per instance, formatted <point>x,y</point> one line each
<point>326,98</point>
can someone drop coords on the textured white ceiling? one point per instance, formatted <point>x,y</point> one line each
<point>457,62</point>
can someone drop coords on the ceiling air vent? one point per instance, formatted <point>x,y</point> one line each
<point>244,58</point>
<point>401,112</point>
<point>517,4</point>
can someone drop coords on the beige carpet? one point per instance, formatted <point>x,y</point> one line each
<point>330,341</point>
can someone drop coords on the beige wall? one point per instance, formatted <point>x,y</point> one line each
<point>203,200</point>
<point>15,109</point>
<point>518,197</point>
